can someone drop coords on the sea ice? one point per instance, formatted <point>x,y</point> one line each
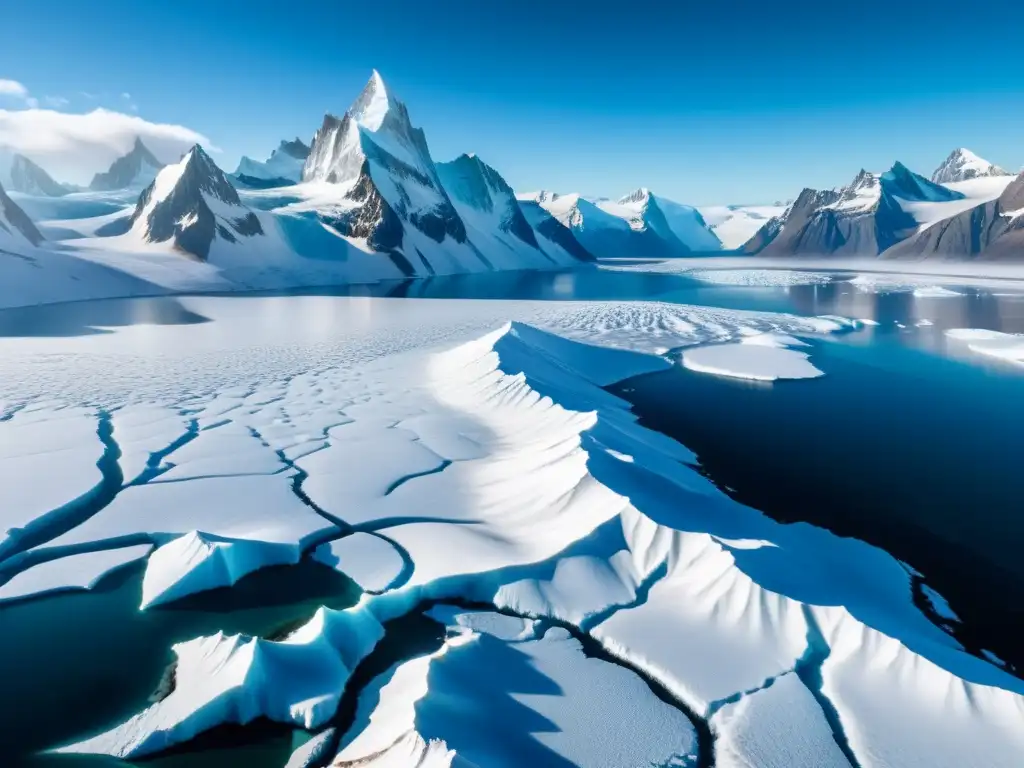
<point>371,561</point>
<point>1004,346</point>
<point>48,466</point>
<point>80,571</point>
<point>236,679</point>
<point>543,701</point>
<point>760,362</point>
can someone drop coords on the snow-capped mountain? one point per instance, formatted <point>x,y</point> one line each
<point>872,213</point>
<point>473,185</point>
<point>670,219</point>
<point>387,195</point>
<point>192,205</point>
<point>490,211</point>
<point>639,225</point>
<point>19,174</point>
<point>16,228</point>
<point>992,230</point>
<point>964,165</point>
<point>734,225</point>
<point>137,169</point>
<point>283,167</point>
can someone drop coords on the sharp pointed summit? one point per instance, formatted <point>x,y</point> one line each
<point>19,174</point>
<point>964,165</point>
<point>136,169</point>
<point>192,205</point>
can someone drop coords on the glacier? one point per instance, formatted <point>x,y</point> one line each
<point>617,537</point>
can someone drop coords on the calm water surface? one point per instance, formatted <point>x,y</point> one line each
<point>909,442</point>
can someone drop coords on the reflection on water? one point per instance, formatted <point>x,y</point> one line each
<point>83,318</point>
<point>908,450</point>
<point>1001,310</point>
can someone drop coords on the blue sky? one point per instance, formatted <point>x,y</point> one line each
<point>704,103</point>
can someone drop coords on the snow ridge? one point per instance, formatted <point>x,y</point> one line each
<point>964,165</point>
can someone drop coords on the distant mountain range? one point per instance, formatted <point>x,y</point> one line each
<point>901,214</point>
<point>367,184</point>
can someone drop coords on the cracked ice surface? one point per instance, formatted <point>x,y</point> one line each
<point>47,463</point>
<point>441,707</point>
<point>499,472</point>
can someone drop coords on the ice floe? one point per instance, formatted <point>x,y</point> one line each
<point>1004,346</point>
<point>370,560</point>
<point>80,571</point>
<point>759,360</point>
<point>236,679</point>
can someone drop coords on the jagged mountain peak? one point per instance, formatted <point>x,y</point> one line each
<point>963,165</point>
<point>192,204</point>
<point>296,148</point>
<point>373,104</point>
<point>638,195</point>
<point>135,169</point>
<point>20,174</point>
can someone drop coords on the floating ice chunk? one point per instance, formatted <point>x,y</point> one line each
<point>370,561</point>
<point>80,571</point>
<point>751,361</point>
<point>779,726</point>
<point>196,562</point>
<point>1005,346</point>
<point>771,339</point>
<point>939,604</point>
<point>314,752</point>
<point>542,700</point>
<point>236,679</point>
<point>935,292</point>
<point>48,463</point>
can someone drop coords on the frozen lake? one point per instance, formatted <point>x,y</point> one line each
<point>910,441</point>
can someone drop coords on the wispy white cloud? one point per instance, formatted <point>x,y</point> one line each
<point>126,96</point>
<point>13,88</point>
<point>55,101</point>
<point>72,147</point>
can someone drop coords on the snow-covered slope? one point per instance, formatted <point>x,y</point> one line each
<point>639,225</point>
<point>734,225</point>
<point>19,174</point>
<point>191,204</point>
<point>670,219</point>
<point>991,230</point>
<point>387,196</point>
<point>872,213</point>
<point>283,167</point>
<point>963,165</point>
<point>494,219</point>
<point>16,228</point>
<point>135,170</point>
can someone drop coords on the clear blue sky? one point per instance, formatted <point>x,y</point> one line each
<point>705,103</point>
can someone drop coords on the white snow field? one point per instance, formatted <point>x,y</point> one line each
<point>1003,346</point>
<point>488,455</point>
<point>765,357</point>
<point>519,713</point>
<point>736,224</point>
